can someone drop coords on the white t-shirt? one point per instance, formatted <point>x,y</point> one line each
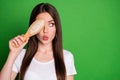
<point>44,70</point>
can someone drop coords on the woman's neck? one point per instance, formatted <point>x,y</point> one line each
<point>44,48</point>
<point>44,52</point>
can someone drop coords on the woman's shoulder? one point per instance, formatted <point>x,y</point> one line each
<point>22,53</point>
<point>69,62</point>
<point>67,54</point>
<point>18,61</point>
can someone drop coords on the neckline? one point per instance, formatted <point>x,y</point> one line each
<point>39,62</point>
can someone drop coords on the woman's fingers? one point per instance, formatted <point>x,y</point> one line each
<point>14,43</point>
<point>18,41</point>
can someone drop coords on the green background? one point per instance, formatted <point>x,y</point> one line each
<point>91,31</point>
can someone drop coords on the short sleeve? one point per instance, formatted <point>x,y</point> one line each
<point>18,61</point>
<point>69,63</point>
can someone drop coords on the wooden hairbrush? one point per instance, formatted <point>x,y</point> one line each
<point>34,28</point>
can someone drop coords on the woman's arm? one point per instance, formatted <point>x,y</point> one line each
<point>13,76</point>
<point>6,72</point>
<point>71,77</point>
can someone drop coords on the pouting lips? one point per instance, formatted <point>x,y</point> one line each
<point>45,38</point>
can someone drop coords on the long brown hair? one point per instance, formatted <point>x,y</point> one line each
<point>56,43</point>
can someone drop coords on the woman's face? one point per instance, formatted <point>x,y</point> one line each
<point>47,34</point>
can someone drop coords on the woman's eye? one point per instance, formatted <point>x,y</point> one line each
<point>51,24</point>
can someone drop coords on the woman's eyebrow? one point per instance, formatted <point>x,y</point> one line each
<point>51,21</point>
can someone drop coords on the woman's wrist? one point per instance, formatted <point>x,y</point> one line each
<point>12,55</point>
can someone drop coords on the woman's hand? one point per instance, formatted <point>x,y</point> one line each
<point>16,44</point>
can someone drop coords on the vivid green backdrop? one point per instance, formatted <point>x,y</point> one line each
<point>91,31</point>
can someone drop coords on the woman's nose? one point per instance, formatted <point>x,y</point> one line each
<point>45,29</point>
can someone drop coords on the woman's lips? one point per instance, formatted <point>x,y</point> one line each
<point>45,38</point>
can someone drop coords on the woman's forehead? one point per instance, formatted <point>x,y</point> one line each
<point>45,16</point>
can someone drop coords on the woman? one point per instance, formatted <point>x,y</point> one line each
<point>44,58</point>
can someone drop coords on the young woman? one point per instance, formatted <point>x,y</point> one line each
<point>44,58</point>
